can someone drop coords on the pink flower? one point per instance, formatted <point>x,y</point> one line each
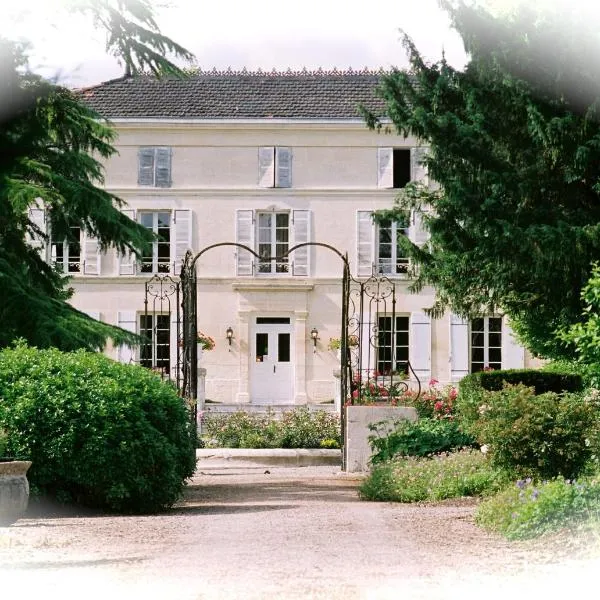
<point>433,382</point>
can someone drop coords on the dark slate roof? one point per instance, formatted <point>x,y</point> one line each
<point>239,95</point>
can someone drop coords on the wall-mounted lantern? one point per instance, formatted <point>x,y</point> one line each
<point>229,336</point>
<point>314,334</point>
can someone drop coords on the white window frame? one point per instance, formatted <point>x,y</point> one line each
<point>157,267</point>
<point>398,265</point>
<point>69,264</point>
<point>394,359</point>
<point>154,361</point>
<point>276,268</point>
<point>486,332</point>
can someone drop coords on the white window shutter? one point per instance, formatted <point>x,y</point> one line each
<point>244,234</point>
<point>163,167</point>
<point>90,251</point>
<point>385,167</point>
<point>38,217</point>
<point>365,235</point>
<point>146,166</point>
<point>283,167</point>
<point>301,233</point>
<point>128,321</point>
<point>266,166</point>
<point>513,354</point>
<point>417,169</point>
<point>416,230</point>
<point>126,262</point>
<point>459,347</point>
<point>182,238</point>
<point>420,346</point>
<point>173,344</point>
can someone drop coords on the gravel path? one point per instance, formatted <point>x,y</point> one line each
<point>288,533</point>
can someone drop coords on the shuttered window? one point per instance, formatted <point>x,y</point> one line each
<point>272,235</point>
<point>66,252</point>
<point>391,259</point>
<point>155,350</point>
<point>154,166</point>
<point>486,343</point>
<point>275,167</point>
<point>392,344</point>
<point>157,257</point>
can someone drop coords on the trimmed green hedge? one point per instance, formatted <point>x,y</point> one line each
<point>99,433</point>
<point>472,387</point>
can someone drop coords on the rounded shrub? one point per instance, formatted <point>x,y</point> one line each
<point>98,433</point>
<point>540,436</point>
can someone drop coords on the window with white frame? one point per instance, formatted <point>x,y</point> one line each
<point>273,241</point>
<point>66,253</point>
<point>396,167</point>
<point>391,258</point>
<point>154,166</point>
<point>486,343</point>
<point>157,256</point>
<point>275,167</point>
<point>155,350</point>
<point>392,344</point>
<point>271,234</point>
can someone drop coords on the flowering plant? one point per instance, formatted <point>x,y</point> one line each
<point>205,341</point>
<point>336,343</point>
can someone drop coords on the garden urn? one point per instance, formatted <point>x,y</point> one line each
<point>14,490</point>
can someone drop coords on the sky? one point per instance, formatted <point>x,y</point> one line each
<point>253,34</point>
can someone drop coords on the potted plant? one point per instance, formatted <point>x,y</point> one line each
<point>14,487</point>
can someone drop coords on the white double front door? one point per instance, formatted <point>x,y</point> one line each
<point>271,367</point>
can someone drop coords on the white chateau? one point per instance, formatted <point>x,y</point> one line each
<point>268,160</point>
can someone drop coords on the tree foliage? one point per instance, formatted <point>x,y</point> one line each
<point>515,149</point>
<point>52,145</point>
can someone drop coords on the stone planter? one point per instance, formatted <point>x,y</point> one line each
<point>14,490</point>
<point>357,451</point>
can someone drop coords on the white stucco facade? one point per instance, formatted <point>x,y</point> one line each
<point>215,194</point>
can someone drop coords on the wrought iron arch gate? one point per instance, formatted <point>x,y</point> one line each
<point>374,360</point>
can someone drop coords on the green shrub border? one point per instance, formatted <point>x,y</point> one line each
<point>471,388</point>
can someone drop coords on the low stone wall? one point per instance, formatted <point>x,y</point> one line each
<point>358,418</point>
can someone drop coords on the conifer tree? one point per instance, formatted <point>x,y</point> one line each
<point>514,145</point>
<point>52,145</point>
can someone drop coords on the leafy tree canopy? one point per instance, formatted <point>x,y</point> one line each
<point>514,144</point>
<point>51,147</point>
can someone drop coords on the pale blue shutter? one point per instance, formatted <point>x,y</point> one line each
<point>126,262</point>
<point>365,231</point>
<point>163,167</point>
<point>385,167</point>
<point>301,234</point>
<point>146,166</point>
<point>266,166</point>
<point>127,321</point>
<point>513,354</point>
<point>182,237</point>
<point>244,235</point>
<point>37,240</point>
<point>418,169</point>
<point>283,167</point>
<point>90,251</point>
<point>459,347</point>
<point>420,346</point>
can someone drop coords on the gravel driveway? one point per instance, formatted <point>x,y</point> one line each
<point>273,532</point>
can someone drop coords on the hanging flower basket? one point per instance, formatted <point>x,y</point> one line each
<point>205,342</point>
